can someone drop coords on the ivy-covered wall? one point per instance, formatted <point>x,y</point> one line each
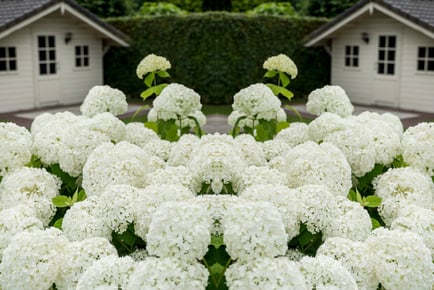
<point>216,53</point>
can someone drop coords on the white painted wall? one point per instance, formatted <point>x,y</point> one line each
<point>21,89</point>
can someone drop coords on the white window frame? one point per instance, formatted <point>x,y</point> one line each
<point>9,59</point>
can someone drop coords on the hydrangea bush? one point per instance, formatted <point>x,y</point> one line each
<point>87,202</point>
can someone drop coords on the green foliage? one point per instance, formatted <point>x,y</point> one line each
<point>273,8</point>
<point>324,8</point>
<point>188,5</point>
<point>217,53</point>
<point>217,260</point>
<point>160,8</point>
<point>111,8</point>
<point>306,242</point>
<point>127,242</point>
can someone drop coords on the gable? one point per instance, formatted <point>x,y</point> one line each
<point>17,14</point>
<point>418,15</point>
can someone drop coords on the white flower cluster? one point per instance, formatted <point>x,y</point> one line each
<point>177,102</point>
<point>255,102</point>
<point>101,99</point>
<point>152,63</point>
<point>15,147</point>
<point>331,99</point>
<point>281,63</point>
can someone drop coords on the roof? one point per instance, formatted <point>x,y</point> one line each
<point>15,14</point>
<point>418,13</point>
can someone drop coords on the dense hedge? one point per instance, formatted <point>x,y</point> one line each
<point>216,53</point>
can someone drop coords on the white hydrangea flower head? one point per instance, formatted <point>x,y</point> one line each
<point>351,221</point>
<point>15,147</point>
<point>324,125</point>
<point>274,148</point>
<point>109,125</point>
<point>79,256</point>
<point>281,63</point>
<point>283,198</point>
<point>179,229</point>
<point>294,255</point>
<point>254,229</point>
<point>40,121</point>
<point>265,273</point>
<point>136,133</point>
<point>109,164</point>
<point>15,220</point>
<point>35,187</point>
<point>176,101</point>
<point>168,273</point>
<point>324,164</point>
<point>217,161</point>
<point>418,220</point>
<point>297,133</point>
<point>102,99</point>
<point>33,260</point>
<point>254,175</point>
<point>82,221</point>
<point>109,272</point>
<point>152,63</point>
<point>177,175</point>
<point>257,101</point>
<point>356,142</point>
<point>117,206</point>
<point>152,115</point>
<point>251,150</point>
<point>139,255</point>
<point>322,272</point>
<point>150,198</point>
<point>405,185</point>
<point>401,260</point>
<point>183,150</point>
<point>331,99</point>
<point>158,148</point>
<point>216,206</point>
<point>385,139</point>
<point>356,257</point>
<point>394,121</point>
<point>417,147</point>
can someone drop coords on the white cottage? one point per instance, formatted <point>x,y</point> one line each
<point>51,52</point>
<point>382,52</point>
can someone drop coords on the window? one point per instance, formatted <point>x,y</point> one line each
<point>351,56</point>
<point>386,54</point>
<point>82,56</point>
<point>47,54</point>
<point>8,58</point>
<point>425,58</point>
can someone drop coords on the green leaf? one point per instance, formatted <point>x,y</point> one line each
<point>149,79</point>
<point>144,107</point>
<point>35,161</point>
<point>352,195</point>
<point>265,130</point>
<point>371,201</point>
<point>168,130</point>
<point>270,74</point>
<point>284,79</point>
<point>159,88</point>
<point>281,125</point>
<point>81,195</point>
<point>197,130</point>
<point>163,74</point>
<point>58,223</point>
<point>375,223</point>
<point>217,269</point>
<point>152,125</point>
<point>217,241</point>
<point>280,90</point>
<point>294,110</point>
<point>236,129</point>
<point>62,201</point>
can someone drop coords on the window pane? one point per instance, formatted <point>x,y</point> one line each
<point>382,41</point>
<point>381,55</point>
<point>391,55</point>
<point>52,68</point>
<point>2,65</point>
<point>381,68</point>
<point>85,50</point>
<point>78,62</point>
<point>52,55</point>
<point>2,52</point>
<point>51,41</point>
<point>78,50</point>
<point>390,68</point>
<point>421,52</point>
<point>421,65</point>
<point>392,41</point>
<point>431,52</point>
<point>355,50</point>
<point>42,55</point>
<point>41,41</point>
<point>11,51</point>
<point>347,61</point>
<point>356,62</point>
<point>85,61</point>
<point>347,50</point>
<point>12,65</point>
<point>42,69</point>
<point>431,65</point>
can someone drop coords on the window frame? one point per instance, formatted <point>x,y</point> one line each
<point>426,59</point>
<point>352,57</point>
<point>8,60</point>
<point>82,57</point>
